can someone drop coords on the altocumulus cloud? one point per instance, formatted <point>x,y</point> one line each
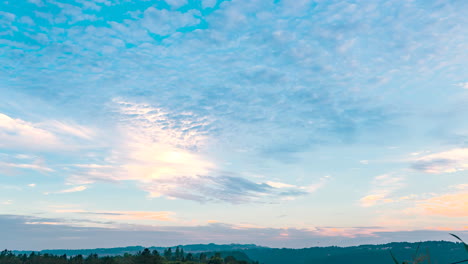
<point>161,151</point>
<point>257,76</point>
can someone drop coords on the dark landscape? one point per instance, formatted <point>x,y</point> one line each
<point>437,252</point>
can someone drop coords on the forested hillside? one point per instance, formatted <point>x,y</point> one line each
<point>439,252</point>
<point>143,257</point>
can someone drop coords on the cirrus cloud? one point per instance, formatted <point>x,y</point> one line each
<point>16,133</point>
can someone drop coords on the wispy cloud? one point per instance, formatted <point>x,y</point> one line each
<point>124,215</point>
<point>373,199</point>
<point>208,3</point>
<point>348,232</point>
<point>383,186</point>
<point>92,166</point>
<point>462,186</point>
<point>18,134</point>
<point>70,190</point>
<point>443,162</point>
<point>463,85</point>
<point>229,189</point>
<point>70,129</point>
<point>37,167</point>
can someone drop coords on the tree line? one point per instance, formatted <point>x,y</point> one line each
<point>178,256</point>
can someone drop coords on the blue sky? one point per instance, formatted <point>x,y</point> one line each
<point>282,123</point>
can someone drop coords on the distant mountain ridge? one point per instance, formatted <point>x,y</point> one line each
<point>441,252</point>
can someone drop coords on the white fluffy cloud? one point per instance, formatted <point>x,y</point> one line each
<point>164,22</point>
<point>208,3</point>
<point>176,3</point>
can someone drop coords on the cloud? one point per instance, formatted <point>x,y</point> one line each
<point>7,16</point>
<point>26,232</point>
<point>261,74</point>
<point>408,197</point>
<point>443,162</point>
<point>164,22</point>
<point>373,199</point>
<point>16,133</point>
<point>349,232</point>
<point>71,14</point>
<point>27,166</point>
<point>158,147</point>
<point>279,184</point>
<point>383,186</point>
<point>36,2</point>
<point>463,186</point>
<point>227,68</point>
<point>446,205</point>
<point>14,163</point>
<point>71,190</point>
<point>463,85</point>
<point>70,129</point>
<point>139,215</point>
<point>19,133</point>
<point>124,215</point>
<point>176,3</point>
<point>208,3</point>
<point>92,166</point>
<point>296,7</point>
<point>229,189</point>
<point>438,211</point>
<point>162,152</point>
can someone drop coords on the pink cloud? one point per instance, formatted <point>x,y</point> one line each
<point>19,133</point>
<point>50,134</point>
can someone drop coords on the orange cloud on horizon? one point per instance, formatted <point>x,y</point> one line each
<point>449,205</point>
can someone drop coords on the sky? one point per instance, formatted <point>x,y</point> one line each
<point>284,123</point>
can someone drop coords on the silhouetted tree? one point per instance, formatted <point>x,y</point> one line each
<point>168,254</point>
<point>142,257</point>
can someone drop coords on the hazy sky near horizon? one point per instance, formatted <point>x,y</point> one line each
<point>281,122</point>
